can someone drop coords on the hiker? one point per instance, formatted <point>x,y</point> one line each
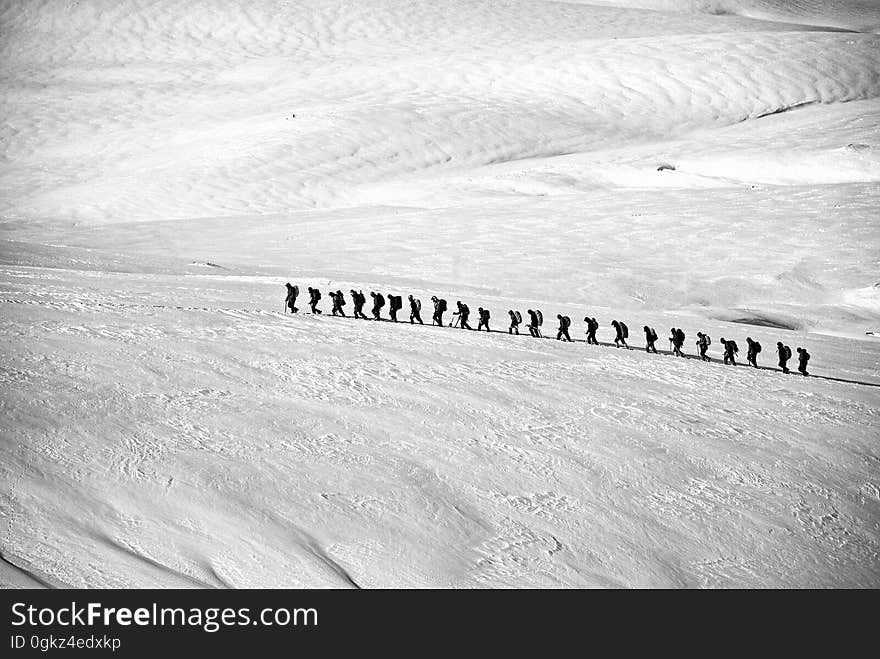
<point>463,314</point>
<point>290,300</point>
<point>314,298</point>
<point>650,340</point>
<point>535,323</point>
<point>679,341</point>
<point>358,300</point>
<point>622,332</point>
<point>395,304</point>
<point>338,303</point>
<point>803,358</point>
<point>564,324</point>
<point>730,351</point>
<point>784,353</point>
<point>378,303</point>
<point>415,309</point>
<point>675,343</point>
<point>752,353</point>
<point>515,320</point>
<point>484,319</point>
<point>703,343</point>
<point>439,308</point>
<point>592,326</point>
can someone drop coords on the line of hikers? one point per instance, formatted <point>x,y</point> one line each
<point>536,320</point>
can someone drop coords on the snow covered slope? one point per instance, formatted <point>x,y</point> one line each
<point>165,167</point>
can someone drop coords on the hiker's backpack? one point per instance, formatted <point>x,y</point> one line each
<point>486,314</point>
<point>341,298</point>
<point>787,352</point>
<point>652,334</point>
<point>518,317</point>
<point>566,322</point>
<point>418,305</point>
<point>707,339</point>
<point>441,305</point>
<point>624,330</point>
<point>757,347</point>
<point>731,345</point>
<point>593,325</point>
<point>679,334</point>
<point>380,300</point>
<point>540,317</point>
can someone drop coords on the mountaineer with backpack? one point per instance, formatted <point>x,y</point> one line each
<point>622,332</point>
<point>536,319</point>
<point>784,353</point>
<point>650,340</point>
<point>592,327</point>
<point>378,303</point>
<point>290,300</point>
<point>515,320</point>
<point>358,299</point>
<point>439,308</point>
<point>752,353</point>
<point>463,314</point>
<point>415,309</point>
<point>803,358</point>
<point>703,343</point>
<point>564,324</point>
<point>314,298</point>
<point>730,351</point>
<point>338,303</point>
<point>395,304</point>
<point>676,338</point>
<point>679,341</point>
<point>484,319</point>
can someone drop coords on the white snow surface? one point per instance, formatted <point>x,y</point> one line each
<point>165,167</point>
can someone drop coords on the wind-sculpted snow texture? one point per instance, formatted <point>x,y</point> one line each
<point>703,164</point>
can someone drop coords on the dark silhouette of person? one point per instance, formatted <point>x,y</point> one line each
<point>395,304</point>
<point>703,342</point>
<point>514,323</point>
<point>314,298</point>
<point>415,310</point>
<point>784,353</point>
<point>534,324</point>
<point>338,303</point>
<point>463,314</point>
<point>290,300</point>
<point>378,303</point>
<point>650,339</point>
<point>358,299</point>
<point>439,308</point>
<point>676,337</point>
<point>592,328</point>
<point>752,351</point>
<point>730,351</point>
<point>803,358</point>
<point>483,315</point>
<point>621,333</point>
<point>564,324</point>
